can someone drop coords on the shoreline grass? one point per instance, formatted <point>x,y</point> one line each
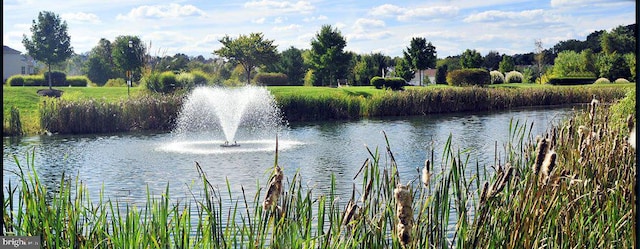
<point>544,193</point>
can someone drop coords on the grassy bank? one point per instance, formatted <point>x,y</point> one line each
<point>99,105</point>
<point>571,188</point>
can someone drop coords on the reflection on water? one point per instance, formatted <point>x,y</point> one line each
<point>124,165</point>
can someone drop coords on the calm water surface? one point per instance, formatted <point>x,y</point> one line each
<point>125,165</point>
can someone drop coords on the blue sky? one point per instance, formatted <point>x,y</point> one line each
<point>452,26</point>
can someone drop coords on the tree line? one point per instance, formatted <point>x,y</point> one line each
<point>241,59</point>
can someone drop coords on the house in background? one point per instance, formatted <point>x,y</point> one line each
<point>13,62</point>
<point>427,73</point>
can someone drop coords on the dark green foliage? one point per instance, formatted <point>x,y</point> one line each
<point>420,55</point>
<point>403,69</point>
<point>168,82</point>
<point>77,81</point>
<point>49,41</point>
<point>395,83</point>
<point>613,66</point>
<point>441,74</point>
<point>620,40</point>
<point>16,80</point>
<point>15,125</point>
<point>319,107</point>
<point>469,77</point>
<point>470,58</point>
<point>292,64</point>
<point>59,79</point>
<point>492,60</point>
<point>100,67</point>
<point>377,82</point>
<point>249,51</point>
<point>327,56</point>
<point>506,64</point>
<point>571,80</point>
<point>272,79</point>
<point>56,78</point>
<point>128,54</point>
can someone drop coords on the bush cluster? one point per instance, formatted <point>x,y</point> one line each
<point>119,82</point>
<point>469,77</point>
<point>621,80</point>
<point>395,83</point>
<point>513,77</point>
<point>496,77</point>
<point>272,79</point>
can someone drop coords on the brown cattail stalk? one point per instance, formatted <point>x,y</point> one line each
<point>404,214</point>
<point>548,165</point>
<point>541,152</point>
<point>274,190</point>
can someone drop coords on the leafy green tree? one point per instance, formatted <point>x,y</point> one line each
<point>99,67</point>
<point>49,41</point>
<point>507,64</point>
<point>249,51</point>
<point>630,58</point>
<point>128,54</point>
<point>420,55</point>
<point>620,40</point>
<point>381,62</point>
<point>492,60</point>
<point>403,69</point>
<point>292,64</point>
<point>613,66</point>
<point>327,57</point>
<point>567,63</point>
<point>470,58</point>
<point>588,61</point>
<point>364,70</point>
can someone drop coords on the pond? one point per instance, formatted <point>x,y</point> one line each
<point>125,166</point>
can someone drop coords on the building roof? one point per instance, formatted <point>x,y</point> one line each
<point>8,50</point>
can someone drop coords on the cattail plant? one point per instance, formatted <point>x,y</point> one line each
<point>274,189</point>
<point>404,214</point>
<point>426,173</point>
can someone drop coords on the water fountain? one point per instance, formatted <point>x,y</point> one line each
<point>220,117</point>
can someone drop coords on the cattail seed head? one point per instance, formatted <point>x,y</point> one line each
<point>483,194</point>
<point>404,214</point>
<point>548,165</point>
<point>426,173</point>
<point>541,152</point>
<point>630,123</point>
<point>275,187</point>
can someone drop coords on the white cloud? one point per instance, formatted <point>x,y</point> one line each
<point>162,12</point>
<point>81,17</point>
<point>436,12</point>
<point>369,35</point>
<point>365,24</point>
<point>387,10</point>
<point>578,3</point>
<point>315,18</point>
<point>284,6</point>
<point>279,20</point>
<point>292,27</point>
<point>497,15</point>
<point>259,20</point>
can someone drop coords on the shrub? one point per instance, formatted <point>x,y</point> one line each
<point>185,79</point>
<point>496,77</point>
<point>571,80</point>
<point>16,80</point>
<point>57,78</point>
<point>78,81</point>
<point>200,78</point>
<point>469,77</point>
<point>602,81</point>
<point>272,79</point>
<point>395,83</point>
<point>152,82</point>
<point>168,82</point>
<point>377,82</point>
<point>513,77</point>
<point>119,82</point>
<point>621,80</point>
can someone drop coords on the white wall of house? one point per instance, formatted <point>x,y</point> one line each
<point>13,62</point>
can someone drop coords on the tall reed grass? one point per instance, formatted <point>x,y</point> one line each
<point>570,188</point>
<point>146,112</point>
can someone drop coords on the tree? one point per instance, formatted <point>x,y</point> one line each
<point>568,63</point>
<point>249,51</point>
<point>128,54</point>
<point>491,61</point>
<point>470,58</point>
<point>441,74</point>
<point>327,56</point>
<point>507,64</point>
<point>292,64</point>
<point>364,70</point>
<point>99,67</point>
<point>403,69</point>
<point>49,41</point>
<point>620,40</point>
<point>420,55</point>
<point>381,62</point>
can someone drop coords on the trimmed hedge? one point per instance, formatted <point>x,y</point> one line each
<point>469,77</point>
<point>395,83</point>
<point>566,81</point>
<point>39,80</point>
<point>272,79</point>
